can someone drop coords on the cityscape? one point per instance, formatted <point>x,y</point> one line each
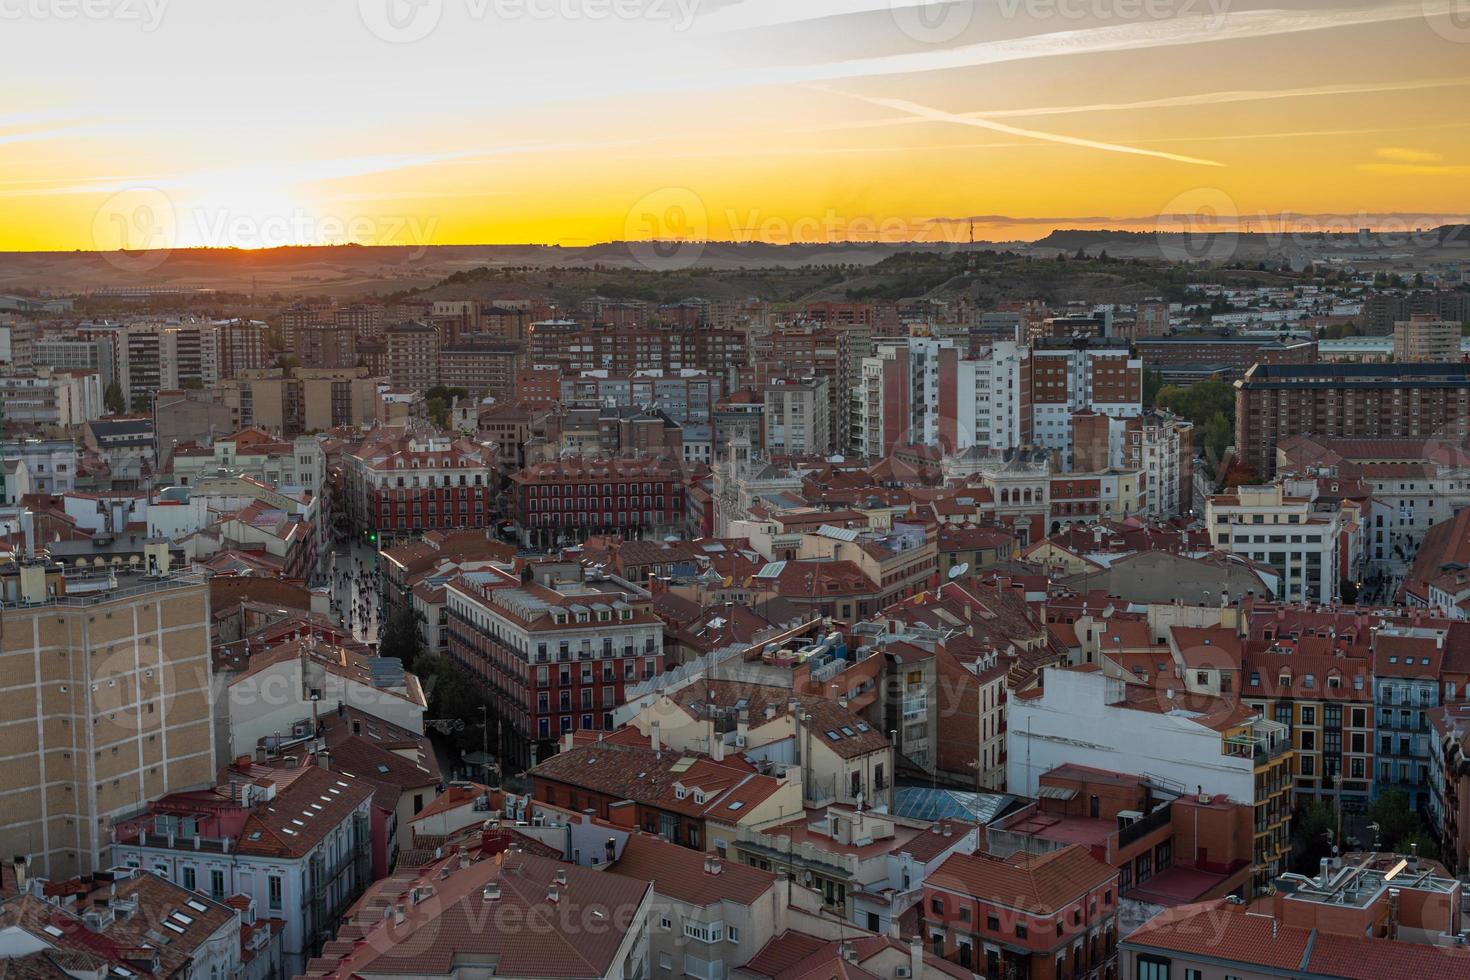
<point>825,490</point>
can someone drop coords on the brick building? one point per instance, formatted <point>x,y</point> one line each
<point>482,365</point>
<point>326,346</point>
<point>398,485</point>
<point>568,499</point>
<point>1049,916</point>
<point>1273,402</point>
<point>555,654</point>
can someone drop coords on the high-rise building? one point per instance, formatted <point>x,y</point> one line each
<point>1082,374</point>
<point>110,707</point>
<point>413,355</point>
<point>798,416</point>
<point>1425,338</point>
<point>326,346</point>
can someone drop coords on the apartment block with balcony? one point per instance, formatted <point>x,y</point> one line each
<point>1278,526</point>
<point>1415,671</point>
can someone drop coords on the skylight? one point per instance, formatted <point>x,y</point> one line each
<point>170,924</point>
<point>197,906</point>
<point>833,736</point>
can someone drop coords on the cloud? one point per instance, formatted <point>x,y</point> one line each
<point>1415,169</point>
<point>1233,26</point>
<point>939,115</point>
<point>1400,154</point>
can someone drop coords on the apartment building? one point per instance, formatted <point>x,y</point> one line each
<point>1185,358</point>
<point>109,690</point>
<point>1088,374</point>
<point>579,495</point>
<point>51,398</point>
<point>574,346</point>
<point>399,485</point>
<point>1272,525</point>
<point>985,400</point>
<point>482,365</point>
<point>798,416</point>
<point>1416,668</point>
<point>243,346</point>
<point>1042,916</point>
<point>554,655</point>
<point>413,355</point>
<point>363,319</point>
<point>326,345</point>
<point>1424,338</point>
<point>1274,402</point>
<point>1215,745</point>
<point>684,396</point>
<point>77,354</point>
<point>1321,689</point>
<point>1160,445</point>
<point>294,841</point>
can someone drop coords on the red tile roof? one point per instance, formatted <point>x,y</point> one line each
<point>1041,883</point>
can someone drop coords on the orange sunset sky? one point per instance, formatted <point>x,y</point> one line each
<point>173,123</point>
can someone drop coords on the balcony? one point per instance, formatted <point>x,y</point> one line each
<point>915,708</point>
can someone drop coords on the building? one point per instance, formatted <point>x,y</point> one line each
<point>118,705</point>
<point>508,914</point>
<point>364,319</point>
<point>985,399</point>
<point>1423,338</point>
<point>413,355</point>
<point>1085,374</point>
<point>684,396</point>
<point>326,345</point>
<point>397,484</point>
<point>575,496</point>
<point>1272,525</point>
<point>1416,668</point>
<point>482,365</point>
<point>114,921</point>
<point>1186,358</point>
<point>1449,784</point>
<point>1383,917</point>
<point>555,655</point>
<point>1273,402</point>
<point>243,346</point>
<point>1040,916</point>
<point>1216,745</point>
<point>296,842</point>
<point>797,417</point>
<point>77,354</point>
<point>1160,446</point>
<point>51,399</point>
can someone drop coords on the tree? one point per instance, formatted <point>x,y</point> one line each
<point>1153,383</point>
<point>1313,830</point>
<point>401,637</point>
<point>452,694</point>
<point>1396,820</point>
<point>114,400</point>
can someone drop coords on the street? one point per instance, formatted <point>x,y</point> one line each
<point>355,591</point>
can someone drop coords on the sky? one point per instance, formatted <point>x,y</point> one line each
<point>225,123</point>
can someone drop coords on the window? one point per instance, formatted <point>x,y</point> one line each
<point>217,884</point>
<point>273,893</point>
<point>1021,931</point>
<point>733,934</point>
<point>705,932</point>
<point>1192,975</point>
<point>187,879</point>
<point>937,906</point>
<point>992,922</point>
<point>1152,968</point>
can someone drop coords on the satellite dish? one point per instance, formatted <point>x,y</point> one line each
<point>959,570</point>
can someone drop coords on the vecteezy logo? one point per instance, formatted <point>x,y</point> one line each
<point>666,230</point>
<point>1199,226</point>
<point>134,229</point>
<point>932,21</point>
<point>1450,20</point>
<point>400,21</point>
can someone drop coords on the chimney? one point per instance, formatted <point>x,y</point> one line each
<point>653,736</point>
<point>553,894</point>
<point>560,877</point>
<point>712,865</point>
<point>324,759</point>
<point>916,957</point>
<point>464,857</point>
<point>18,865</point>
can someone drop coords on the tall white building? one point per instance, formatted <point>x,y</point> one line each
<point>1071,375</point>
